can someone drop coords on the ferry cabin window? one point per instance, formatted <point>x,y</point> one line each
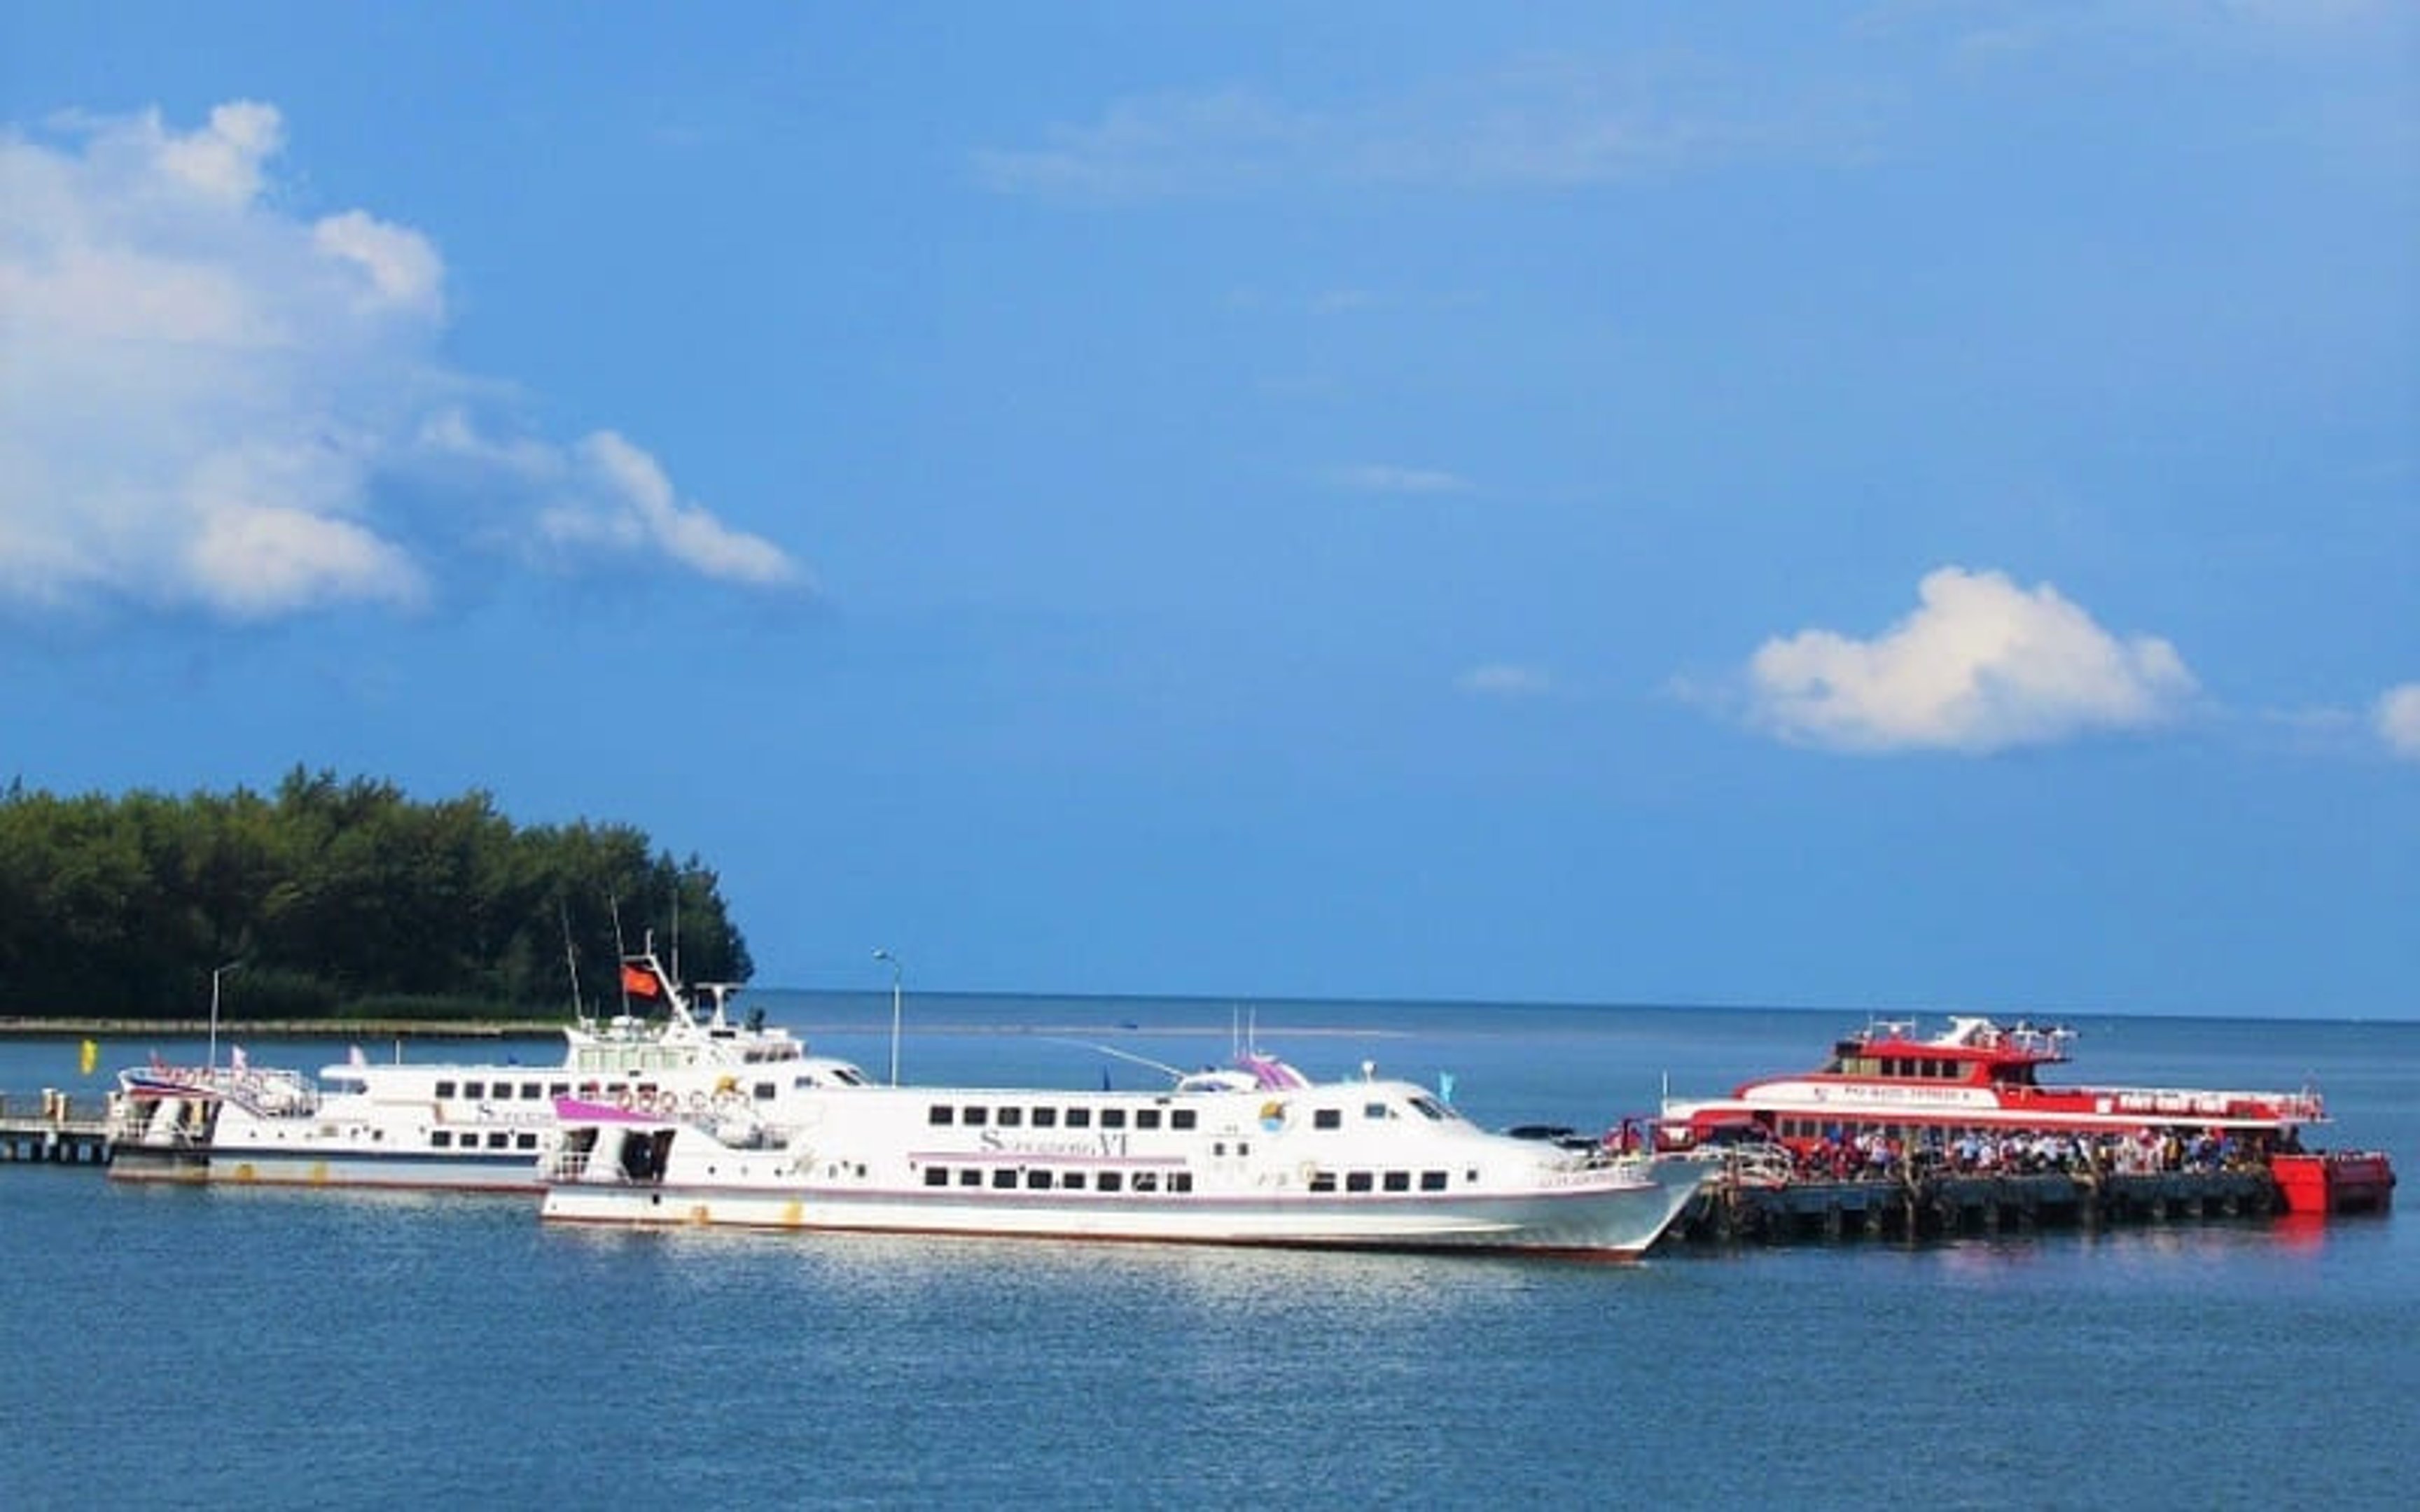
<point>558,1089</point>
<point>1045,1117</point>
<point>1111,1180</point>
<point>1356,1181</point>
<point>1398,1181</point>
<point>532,1091</point>
<point>1180,1118</point>
<point>1327,1118</point>
<point>765,1091</point>
<point>1433,1180</point>
<point>937,1175</point>
<point>1180,1182</point>
<point>499,1140</point>
<point>970,1177</point>
<point>1376,1110</point>
<point>445,1088</point>
<point>441,1139</point>
<point>1073,1180</point>
<point>973,1117</point>
<point>1038,1180</point>
<point>941,1115</point>
<point>1146,1118</point>
<point>1428,1107</point>
<point>1079,1118</point>
<point>1113,1117</point>
<point>525,1141</point>
<point>1146,1181</point>
<point>1322,1181</point>
<point>473,1092</point>
<point>1006,1176</point>
<point>1011,1118</point>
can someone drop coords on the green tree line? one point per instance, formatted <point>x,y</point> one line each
<point>338,899</point>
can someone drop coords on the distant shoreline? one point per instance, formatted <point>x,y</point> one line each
<point>120,1029</point>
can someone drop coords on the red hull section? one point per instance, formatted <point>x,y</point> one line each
<point>2351,1180</point>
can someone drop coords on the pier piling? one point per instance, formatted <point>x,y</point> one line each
<point>1932,1207</point>
<point>58,1128</point>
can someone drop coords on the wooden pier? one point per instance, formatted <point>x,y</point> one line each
<point>56,1127</point>
<point>1731,1211</point>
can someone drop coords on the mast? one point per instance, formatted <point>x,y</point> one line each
<point>571,960</point>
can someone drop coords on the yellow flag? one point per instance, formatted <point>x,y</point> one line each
<point>91,1054</point>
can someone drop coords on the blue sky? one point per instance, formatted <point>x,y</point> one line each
<point>1897,506</point>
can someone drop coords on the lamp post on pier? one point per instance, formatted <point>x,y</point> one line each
<point>885,955</point>
<point>216,972</point>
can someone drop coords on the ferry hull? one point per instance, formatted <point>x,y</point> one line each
<point>1606,1219</point>
<point>326,1169</point>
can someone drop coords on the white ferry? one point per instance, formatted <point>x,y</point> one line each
<point>1254,1155</point>
<point>459,1127</point>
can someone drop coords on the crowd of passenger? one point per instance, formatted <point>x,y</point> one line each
<point>1845,1155</point>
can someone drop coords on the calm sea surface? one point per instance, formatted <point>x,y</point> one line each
<point>261,1349</point>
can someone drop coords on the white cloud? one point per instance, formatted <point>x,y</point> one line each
<point>1982,665</point>
<point>624,500</point>
<point>205,396</point>
<point>253,562</point>
<point>1506,680</point>
<point>2397,715</point>
<point>1383,478</point>
<point>1531,123</point>
<point>404,270</point>
<point>222,162</point>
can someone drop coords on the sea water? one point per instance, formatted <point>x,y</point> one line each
<point>181,1347</point>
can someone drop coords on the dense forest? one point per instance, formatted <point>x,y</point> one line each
<point>330,899</point>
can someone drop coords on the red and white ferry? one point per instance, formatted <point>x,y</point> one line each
<point>1983,1078</point>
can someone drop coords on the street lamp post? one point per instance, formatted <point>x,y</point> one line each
<point>216,972</point>
<point>885,955</point>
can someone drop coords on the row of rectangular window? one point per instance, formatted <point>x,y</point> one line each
<point>1380,1180</point>
<point>497,1139</point>
<point>534,1092</point>
<point>504,1091</point>
<point>975,1115</point>
<point>1044,1179</point>
<point>1904,1068</point>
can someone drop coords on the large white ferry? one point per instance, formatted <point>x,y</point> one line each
<point>457,1127</point>
<point>1254,1155</point>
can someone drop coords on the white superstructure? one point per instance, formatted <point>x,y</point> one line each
<point>1259,1155</point>
<point>459,1127</point>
